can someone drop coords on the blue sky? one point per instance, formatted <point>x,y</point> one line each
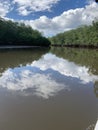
<point>50,16</point>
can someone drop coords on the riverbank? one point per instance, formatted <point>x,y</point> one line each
<point>55,45</point>
<point>85,36</point>
<point>75,46</point>
<point>21,47</point>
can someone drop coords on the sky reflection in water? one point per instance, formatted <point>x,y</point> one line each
<point>45,77</point>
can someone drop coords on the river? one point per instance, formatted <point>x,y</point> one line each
<point>48,89</point>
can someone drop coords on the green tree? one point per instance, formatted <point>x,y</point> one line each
<point>14,33</point>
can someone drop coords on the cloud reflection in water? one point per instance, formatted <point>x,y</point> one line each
<point>45,77</point>
<point>65,67</point>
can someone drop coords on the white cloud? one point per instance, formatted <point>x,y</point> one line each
<point>22,11</point>
<point>4,8</point>
<point>25,7</point>
<point>45,77</point>
<point>67,20</point>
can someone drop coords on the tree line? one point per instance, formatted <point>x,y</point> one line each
<point>86,36</point>
<point>14,33</point>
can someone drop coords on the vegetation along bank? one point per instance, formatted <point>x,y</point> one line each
<point>85,36</point>
<point>18,34</point>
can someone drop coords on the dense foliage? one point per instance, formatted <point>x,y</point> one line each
<point>14,33</point>
<point>82,36</point>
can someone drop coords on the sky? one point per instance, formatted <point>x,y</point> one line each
<point>50,17</point>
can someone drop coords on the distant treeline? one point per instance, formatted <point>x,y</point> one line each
<point>14,33</point>
<point>85,36</point>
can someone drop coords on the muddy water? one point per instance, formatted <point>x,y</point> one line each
<point>53,89</point>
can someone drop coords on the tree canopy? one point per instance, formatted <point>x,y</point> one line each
<point>82,36</point>
<point>14,33</point>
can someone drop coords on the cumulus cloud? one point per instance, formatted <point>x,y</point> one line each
<point>45,77</point>
<point>23,11</point>
<point>67,20</point>
<point>25,7</point>
<point>5,7</point>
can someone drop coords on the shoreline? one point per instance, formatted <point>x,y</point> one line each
<point>55,45</point>
<point>21,47</point>
<point>76,46</point>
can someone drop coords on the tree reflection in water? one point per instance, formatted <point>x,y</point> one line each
<point>47,76</point>
<point>96,88</point>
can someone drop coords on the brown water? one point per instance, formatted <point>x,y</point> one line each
<point>53,89</point>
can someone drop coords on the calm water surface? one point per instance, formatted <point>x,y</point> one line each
<point>54,89</point>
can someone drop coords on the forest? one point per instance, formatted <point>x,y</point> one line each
<point>14,33</point>
<point>84,36</point>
